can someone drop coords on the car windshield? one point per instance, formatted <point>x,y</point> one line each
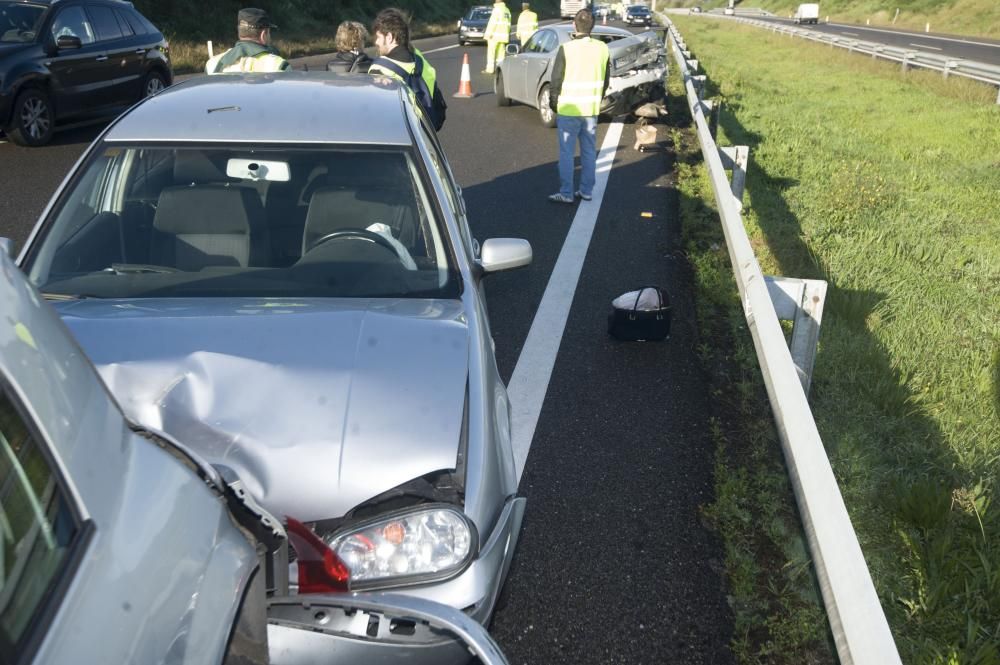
<point>19,22</point>
<point>156,222</point>
<point>479,14</point>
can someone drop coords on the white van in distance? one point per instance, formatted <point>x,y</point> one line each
<point>807,13</point>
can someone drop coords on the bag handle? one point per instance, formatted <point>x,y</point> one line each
<point>659,298</point>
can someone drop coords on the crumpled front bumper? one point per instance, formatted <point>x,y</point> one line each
<point>634,88</point>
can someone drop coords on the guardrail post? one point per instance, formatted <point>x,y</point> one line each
<point>735,159</point>
<point>801,302</point>
<point>693,65</point>
<point>699,83</point>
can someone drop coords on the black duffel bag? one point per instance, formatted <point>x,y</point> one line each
<point>631,323</point>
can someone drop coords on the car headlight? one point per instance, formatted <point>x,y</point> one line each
<point>407,547</point>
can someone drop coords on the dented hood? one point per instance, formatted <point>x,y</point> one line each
<point>318,405</point>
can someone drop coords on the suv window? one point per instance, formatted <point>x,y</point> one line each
<point>37,529</point>
<point>126,28</point>
<point>73,22</point>
<point>106,23</point>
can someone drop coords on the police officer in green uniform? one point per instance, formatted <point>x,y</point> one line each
<point>580,77</point>
<point>253,52</point>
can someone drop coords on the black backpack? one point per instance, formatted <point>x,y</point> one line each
<point>416,83</point>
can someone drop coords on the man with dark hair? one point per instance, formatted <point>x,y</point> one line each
<point>580,77</point>
<point>253,52</point>
<point>398,60</point>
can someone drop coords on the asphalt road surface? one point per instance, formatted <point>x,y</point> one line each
<point>614,564</point>
<point>954,46</point>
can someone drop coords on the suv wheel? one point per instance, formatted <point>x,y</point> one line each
<point>153,83</point>
<point>33,120</point>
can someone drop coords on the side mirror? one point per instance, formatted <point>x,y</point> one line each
<point>513,49</point>
<point>7,247</point>
<point>68,42</point>
<point>500,254</point>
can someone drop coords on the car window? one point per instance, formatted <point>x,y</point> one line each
<point>73,22</point>
<point>542,41</point>
<point>37,530</point>
<point>440,166</point>
<point>549,42</point>
<point>187,222</point>
<point>124,25</point>
<point>479,14</point>
<point>105,22</point>
<point>18,22</point>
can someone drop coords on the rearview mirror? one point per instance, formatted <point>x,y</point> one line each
<point>513,49</point>
<point>258,169</point>
<point>68,42</point>
<point>504,254</point>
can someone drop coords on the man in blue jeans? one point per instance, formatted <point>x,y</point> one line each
<point>580,77</point>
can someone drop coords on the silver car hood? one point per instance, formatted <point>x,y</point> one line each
<point>318,405</point>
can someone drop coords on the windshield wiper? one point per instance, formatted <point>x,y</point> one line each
<point>137,269</point>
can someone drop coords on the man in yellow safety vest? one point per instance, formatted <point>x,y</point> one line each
<point>253,52</point>
<point>527,24</point>
<point>580,77</point>
<point>497,35</point>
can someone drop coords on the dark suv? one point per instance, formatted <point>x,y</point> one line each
<point>638,15</point>
<point>73,60</point>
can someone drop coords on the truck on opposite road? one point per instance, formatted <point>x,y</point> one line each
<point>807,13</point>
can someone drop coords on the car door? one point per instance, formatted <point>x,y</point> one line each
<point>123,64</point>
<point>77,73</point>
<point>539,66</point>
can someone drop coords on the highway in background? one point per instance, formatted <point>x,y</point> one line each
<point>954,46</point>
<point>615,563</point>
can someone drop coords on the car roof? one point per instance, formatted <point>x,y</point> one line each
<point>598,29</point>
<point>285,107</point>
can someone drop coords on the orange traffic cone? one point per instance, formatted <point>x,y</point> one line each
<point>465,84</point>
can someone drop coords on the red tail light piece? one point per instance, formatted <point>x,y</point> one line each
<point>320,569</point>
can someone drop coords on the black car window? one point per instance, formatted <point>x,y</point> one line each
<point>140,23</point>
<point>124,25</point>
<point>73,22</point>
<point>106,23</point>
<point>37,530</point>
<point>19,23</point>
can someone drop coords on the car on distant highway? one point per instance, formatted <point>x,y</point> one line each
<point>638,67</point>
<point>302,301</point>
<point>638,15</point>
<point>472,26</point>
<point>71,60</point>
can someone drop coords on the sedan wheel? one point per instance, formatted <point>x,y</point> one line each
<point>545,113</point>
<point>498,90</point>
<point>33,121</point>
<point>154,83</point>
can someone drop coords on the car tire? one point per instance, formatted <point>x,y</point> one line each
<point>499,91</point>
<point>153,83</point>
<point>33,120</point>
<point>547,115</point>
<point>461,42</point>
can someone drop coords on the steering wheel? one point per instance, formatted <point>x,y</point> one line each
<point>362,234</point>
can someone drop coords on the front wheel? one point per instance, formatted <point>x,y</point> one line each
<point>499,91</point>
<point>153,83</point>
<point>33,120</point>
<point>546,114</point>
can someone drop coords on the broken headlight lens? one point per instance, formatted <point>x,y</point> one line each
<point>417,545</point>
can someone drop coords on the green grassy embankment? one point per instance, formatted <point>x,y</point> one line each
<point>306,26</point>
<point>888,186</point>
<point>961,17</point>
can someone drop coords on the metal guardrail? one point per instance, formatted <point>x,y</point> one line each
<point>860,630</point>
<point>907,57</point>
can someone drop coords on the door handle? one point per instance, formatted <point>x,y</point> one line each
<point>140,51</point>
<point>102,58</point>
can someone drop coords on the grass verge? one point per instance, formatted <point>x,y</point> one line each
<point>885,185</point>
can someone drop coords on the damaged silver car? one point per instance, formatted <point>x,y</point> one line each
<point>120,545</point>
<point>638,69</point>
<point>292,290</point>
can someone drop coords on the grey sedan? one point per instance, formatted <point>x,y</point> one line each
<point>638,69</point>
<point>292,290</point>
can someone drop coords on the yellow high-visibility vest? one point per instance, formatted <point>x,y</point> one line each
<point>527,25</point>
<point>498,29</point>
<point>583,82</point>
<point>427,72</point>
<point>263,62</point>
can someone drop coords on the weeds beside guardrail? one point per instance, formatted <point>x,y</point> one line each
<point>907,57</point>
<point>859,627</point>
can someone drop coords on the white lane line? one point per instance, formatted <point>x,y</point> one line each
<point>530,380</point>
<point>933,48</point>
<point>443,48</point>
<point>901,32</point>
<point>852,34</point>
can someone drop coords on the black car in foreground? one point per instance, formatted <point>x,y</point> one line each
<point>69,60</point>
<point>638,15</point>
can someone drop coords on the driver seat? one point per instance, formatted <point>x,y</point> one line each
<point>334,209</point>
